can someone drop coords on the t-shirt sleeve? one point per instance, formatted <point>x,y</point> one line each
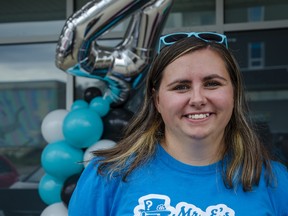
<point>92,195</point>
<point>279,192</point>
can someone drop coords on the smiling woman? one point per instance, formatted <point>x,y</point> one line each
<point>191,147</point>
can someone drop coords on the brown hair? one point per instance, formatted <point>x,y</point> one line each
<point>244,155</point>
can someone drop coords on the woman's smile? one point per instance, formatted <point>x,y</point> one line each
<point>197,116</point>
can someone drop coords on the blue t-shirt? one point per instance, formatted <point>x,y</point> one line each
<point>165,186</point>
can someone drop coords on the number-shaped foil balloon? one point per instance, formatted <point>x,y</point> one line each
<point>120,67</point>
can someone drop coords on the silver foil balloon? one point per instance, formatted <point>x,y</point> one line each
<point>122,66</point>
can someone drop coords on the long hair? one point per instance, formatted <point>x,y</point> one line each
<point>244,156</point>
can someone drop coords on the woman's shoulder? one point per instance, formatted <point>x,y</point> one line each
<point>91,179</point>
<point>91,172</point>
<point>92,189</point>
<point>278,190</point>
<point>277,176</point>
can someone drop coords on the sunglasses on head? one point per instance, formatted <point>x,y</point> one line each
<point>170,39</point>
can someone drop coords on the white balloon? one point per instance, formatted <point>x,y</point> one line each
<point>101,144</point>
<point>51,127</point>
<point>55,209</point>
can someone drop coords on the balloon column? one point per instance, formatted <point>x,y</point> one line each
<point>71,136</point>
<point>87,126</point>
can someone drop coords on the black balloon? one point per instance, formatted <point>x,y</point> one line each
<point>91,93</point>
<point>114,123</point>
<point>68,188</point>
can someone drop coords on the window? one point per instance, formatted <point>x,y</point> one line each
<point>255,13</point>
<point>30,87</point>
<point>250,11</point>
<point>32,10</point>
<point>187,13</point>
<point>264,65</point>
<point>256,55</point>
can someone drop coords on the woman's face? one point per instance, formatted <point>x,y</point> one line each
<point>195,97</point>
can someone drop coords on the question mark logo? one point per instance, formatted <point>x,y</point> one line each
<point>149,203</point>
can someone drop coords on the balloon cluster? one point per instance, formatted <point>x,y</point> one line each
<point>71,136</point>
<point>92,123</point>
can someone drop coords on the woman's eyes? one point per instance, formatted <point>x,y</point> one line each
<point>211,84</point>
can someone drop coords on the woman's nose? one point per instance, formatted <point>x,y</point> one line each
<point>197,98</point>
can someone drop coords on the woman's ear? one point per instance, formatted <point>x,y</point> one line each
<point>155,99</point>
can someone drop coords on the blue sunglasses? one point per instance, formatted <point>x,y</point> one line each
<point>170,39</point>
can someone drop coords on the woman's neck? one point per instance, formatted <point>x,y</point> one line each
<point>194,152</point>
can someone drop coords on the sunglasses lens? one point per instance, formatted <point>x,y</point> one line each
<point>174,37</point>
<point>211,37</point>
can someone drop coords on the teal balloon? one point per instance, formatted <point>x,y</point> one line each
<point>79,104</point>
<point>49,189</point>
<point>61,160</point>
<point>100,105</point>
<point>82,128</point>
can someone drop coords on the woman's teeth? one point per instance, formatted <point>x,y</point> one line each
<point>198,116</point>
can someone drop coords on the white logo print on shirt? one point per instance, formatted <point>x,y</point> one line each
<point>159,205</point>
